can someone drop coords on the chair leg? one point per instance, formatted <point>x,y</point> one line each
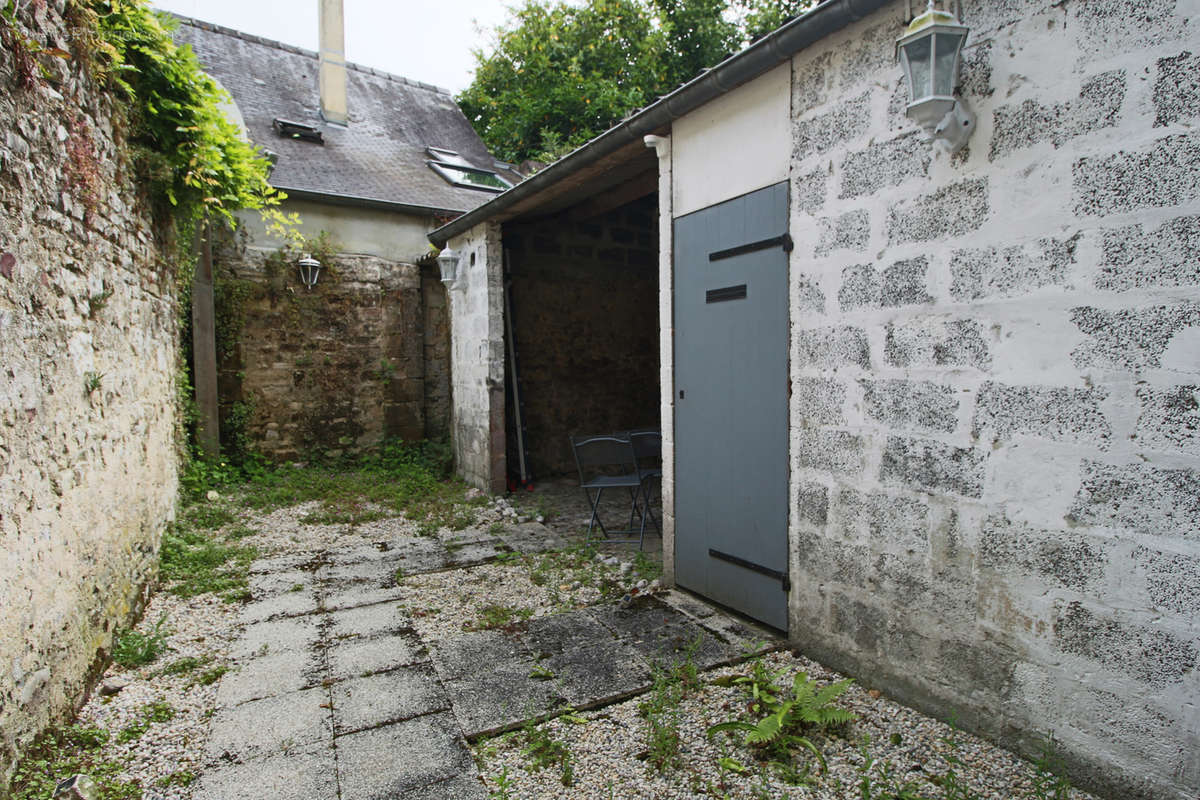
<point>595,519</point>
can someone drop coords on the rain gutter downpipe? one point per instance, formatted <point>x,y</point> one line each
<point>768,52</point>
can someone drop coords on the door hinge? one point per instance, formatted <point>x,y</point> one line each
<point>783,240</point>
<point>783,577</point>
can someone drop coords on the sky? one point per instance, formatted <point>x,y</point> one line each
<point>425,40</point>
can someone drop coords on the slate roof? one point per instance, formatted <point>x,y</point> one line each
<point>378,158</point>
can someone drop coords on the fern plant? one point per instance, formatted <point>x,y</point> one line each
<point>789,717</point>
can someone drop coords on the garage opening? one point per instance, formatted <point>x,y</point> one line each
<point>584,329</point>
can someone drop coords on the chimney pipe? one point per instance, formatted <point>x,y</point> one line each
<point>333,62</point>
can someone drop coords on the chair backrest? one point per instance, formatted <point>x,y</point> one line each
<point>604,454</point>
<point>647,448</point>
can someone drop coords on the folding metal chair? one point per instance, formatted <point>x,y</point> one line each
<point>647,453</point>
<point>608,462</point>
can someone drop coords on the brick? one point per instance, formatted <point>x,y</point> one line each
<point>885,164</point>
<point>1011,271</point>
<point>912,404</point>
<point>1167,174</point>
<point>952,210</point>
<point>849,231</point>
<point>1139,498</point>
<point>1135,257</point>
<point>817,134</point>
<point>819,400</point>
<point>1171,579</point>
<point>836,346</point>
<point>1048,412</point>
<point>936,343</point>
<point>1062,558</point>
<point>839,452</point>
<point>899,522</point>
<point>1177,89</point>
<point>1152,656</point>
<point>1022,126</point>
<point>933,466</point>
<point>1131,339</point>
<point>1170,419</point>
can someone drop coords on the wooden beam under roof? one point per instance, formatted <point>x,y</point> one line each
<point>635,189</point>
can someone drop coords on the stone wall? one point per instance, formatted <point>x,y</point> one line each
<point>88,341</point>
<point>585,317</point>
<point>995,364</point>
<point>333,370</point>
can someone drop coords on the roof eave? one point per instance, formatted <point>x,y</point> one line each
<point>337,199</point>
<point>760,57</point>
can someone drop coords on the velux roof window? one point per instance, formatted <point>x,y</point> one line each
<point>460,172</point>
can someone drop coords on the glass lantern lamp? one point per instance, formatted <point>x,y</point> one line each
<point>448,265</point>
<point>929,54</point>
<point>309,269</point>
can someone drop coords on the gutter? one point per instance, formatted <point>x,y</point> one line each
<point>761,56</point>
<point>337,199</point>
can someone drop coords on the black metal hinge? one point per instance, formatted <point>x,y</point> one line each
<point>782,577</point>
<point>783,240</point>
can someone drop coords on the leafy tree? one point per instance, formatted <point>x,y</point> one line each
<point>764,16</point>
<point>699,34</point>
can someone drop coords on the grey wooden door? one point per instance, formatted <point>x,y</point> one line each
<point>731,403</point>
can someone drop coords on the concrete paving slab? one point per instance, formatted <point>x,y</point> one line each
<point>501,698</point>
<point>266,584</point>
<point>417,562</point>
<point>358,657</point>
<point>678,641</point>
<point>265,638</point>
<point>553,634</point>
<point>284,563</point>
<point>687,604</point>
<point>381,572</point>
<point>352,595</point>
<point>393,761</point>
<point>271,726</point>
<point>366,621</point>
<point>304,774</point>
<point>645,614</point>
<point>404,693</point>
<point>279,673</point>
<point>742,636</point>
<point>284,604</point>
<point>531,537</point>
<point>476,652</point>
<point>464,787</point>
<point>588,676</point>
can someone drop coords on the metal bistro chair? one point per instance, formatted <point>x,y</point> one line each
<point>608,462</point>
<point>647,452</point>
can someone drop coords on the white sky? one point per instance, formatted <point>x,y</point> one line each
<point>425,40</point>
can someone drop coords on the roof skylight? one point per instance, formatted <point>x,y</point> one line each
<point>460,172</point>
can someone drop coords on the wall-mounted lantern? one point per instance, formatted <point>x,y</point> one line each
<point>929,53</point>
<point>448,264</point>
<point>309,268</point>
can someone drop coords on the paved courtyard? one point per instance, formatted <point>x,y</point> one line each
<point>337,694</point>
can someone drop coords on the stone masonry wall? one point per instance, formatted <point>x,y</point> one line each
<point>585,308</point>
<point>88,339</point>
<point>996,382</point>
<point>335,369</point>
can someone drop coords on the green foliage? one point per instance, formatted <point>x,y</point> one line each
<point>193,561</point>
<point>61,752</point>
<point>543,751</point>
<point>182,666</point>
<point>134,649</point>
<point>92,381</point>
<point>157,711</point>
<point>764,16</point>
<point>498,616</point>
<point>660,707</point>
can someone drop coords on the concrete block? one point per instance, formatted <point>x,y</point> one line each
<point>819,400</point>
<point>809,297</point>
<point>864,624</point>
<point>1170,419</point>
<point>1135,257</point>
<point>1172,580</point>
<point>849,231</point>
<point>839,452</point>
<point>833,346</point>
<point>811,81</point>
<point>887,521</point>
<point>977,667</point>
<point>1061,558</point>
<point>1177,89</point>
<point>812,505</point>
<point>1166,174</point>
<point>933,466</point>
<point>1011,271</point>
<point>912,404</point>
<point>1122,26</point>
<point>904,283</point>
<point>1151,655</point>
<point>826,561</point>
<point>904,578</point>
<point>975,69</point>
<point>1129,339</point>
<point>817,134</point>
<point>1139,498</point>
<point>810,191</point>
<point>952,210</point>
<point>869,53</point>
<point>1048,412</point>
<point>884,164</point>
<point>934,342</point>
<point>860,287</point>
<point>1021,126</point>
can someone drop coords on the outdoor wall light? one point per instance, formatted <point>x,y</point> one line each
<point>309,267</point>
<point>448,264</point>
<point>929,53</point>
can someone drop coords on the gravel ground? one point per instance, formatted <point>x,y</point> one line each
<point>607,746</point>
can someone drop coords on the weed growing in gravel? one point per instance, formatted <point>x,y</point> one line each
<point>208,516</point>
<point>66,751</point>
<point>194,561</point>
<point>660,708</point>
<point>543,750</point>
<point>182,666</point>
<point>210,676</point>
<point>134,649</point>
<point>498,616</point>
<point>503,785</point>
<point>158,711</point>
<point>183,777</point>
